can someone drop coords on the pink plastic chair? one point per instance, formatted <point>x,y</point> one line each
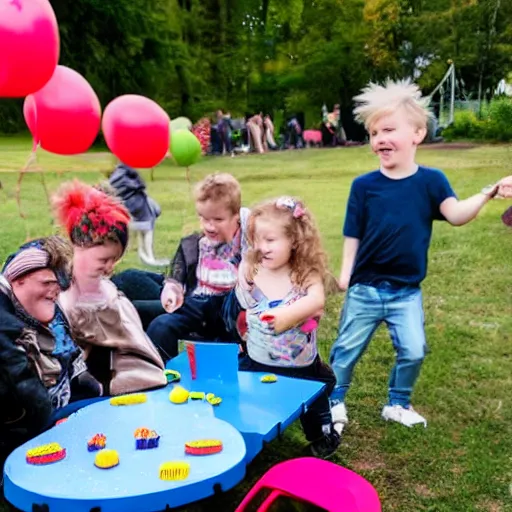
<point>318,482</point>
<point>312,136</point>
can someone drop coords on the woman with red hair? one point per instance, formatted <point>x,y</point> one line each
<point>119,353</point>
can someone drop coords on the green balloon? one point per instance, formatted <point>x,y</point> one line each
<point>181,123</point>
<point>185,148</point>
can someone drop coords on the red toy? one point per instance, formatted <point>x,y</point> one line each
<point>203,447</point>
<point>45,454</point>
<point>191,352</point>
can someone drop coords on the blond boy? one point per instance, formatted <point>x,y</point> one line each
<point>388,226</point>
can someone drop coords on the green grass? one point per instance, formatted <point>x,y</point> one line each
<point>462,461</point>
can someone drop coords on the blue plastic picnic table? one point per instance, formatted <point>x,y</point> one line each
<point>251,413</point>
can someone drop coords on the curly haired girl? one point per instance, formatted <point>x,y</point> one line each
<point>281,287</point>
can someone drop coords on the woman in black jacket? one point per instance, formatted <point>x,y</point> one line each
<point>41,367</point>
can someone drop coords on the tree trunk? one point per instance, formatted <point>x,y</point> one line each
<point>487,50</point>
<point>185,89</point>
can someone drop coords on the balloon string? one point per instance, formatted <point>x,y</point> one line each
<point>45,188</point>
<point>35,145</point>
<point>31,160</point>
<point>2,188</point>
<point>185,210</point>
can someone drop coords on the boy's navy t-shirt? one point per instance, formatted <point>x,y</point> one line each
<point>393,221</point>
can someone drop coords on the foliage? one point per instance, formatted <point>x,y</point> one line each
<point>11,116</point>
<point>499,122</point>
<point>466,125</point>
<point>495,125</point>
<point>195,56</point>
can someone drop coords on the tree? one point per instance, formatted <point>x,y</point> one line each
<point>196,56</point>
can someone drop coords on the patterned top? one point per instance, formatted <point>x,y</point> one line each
<point>292,348</point>
<point>70,357</point>
<point>217,269</point>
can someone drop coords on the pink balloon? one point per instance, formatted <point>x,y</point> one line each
<point>30,115</point>
<point>136,130</point>
<point>67,113</point>
<point>29,46</point>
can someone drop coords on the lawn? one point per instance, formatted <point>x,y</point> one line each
<point>463,460</point>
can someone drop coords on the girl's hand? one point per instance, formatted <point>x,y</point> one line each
<point>172,296</point>
<point>268,317</point>
<point>276,319</point>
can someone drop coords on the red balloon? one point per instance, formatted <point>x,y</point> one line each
<point>136,130</point>
<point>30,115</point>
<point>29,46</point>
<point>67,113</point>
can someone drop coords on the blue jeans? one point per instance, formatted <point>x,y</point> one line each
<point>365,308</point>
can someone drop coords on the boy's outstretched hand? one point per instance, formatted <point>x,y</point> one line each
<point>505,188</point>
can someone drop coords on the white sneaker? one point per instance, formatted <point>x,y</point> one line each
<point>339,416</point>
<point>407,417</point>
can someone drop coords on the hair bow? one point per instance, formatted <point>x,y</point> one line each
<point>287,202</point>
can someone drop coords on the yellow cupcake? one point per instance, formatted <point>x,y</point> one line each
<point>106,459</point>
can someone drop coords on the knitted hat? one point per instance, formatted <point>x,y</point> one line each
<point>53,253</point>
<point>90,216</point>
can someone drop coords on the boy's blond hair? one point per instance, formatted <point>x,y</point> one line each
<point>221,187</point>
<point>377,101</point>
